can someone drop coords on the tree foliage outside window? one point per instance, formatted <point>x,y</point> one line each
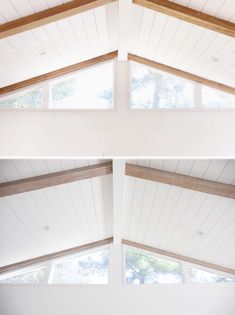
<point>31,99</point>
<point>146,269</point>
<point>34,276</point>
<point>202,276</point>
<point>87,269</point>
<point>88,88</point>
<point>154,89</point>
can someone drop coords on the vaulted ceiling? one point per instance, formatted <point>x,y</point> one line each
<point>189,222</point>
<point>117,25</point>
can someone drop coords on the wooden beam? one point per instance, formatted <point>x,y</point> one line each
<point>57,73</point>
<point>189,15</point>
<point>183,181</point>
<point>48,16</point>
<point>55,255</point>
<point>179,257</point>
<point>182,74</point>
<point>53,179</point>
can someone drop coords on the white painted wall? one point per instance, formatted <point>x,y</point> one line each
<point>185,299</point>
<point>118,132</point>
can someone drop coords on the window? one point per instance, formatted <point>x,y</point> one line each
<point>33,276</point>
<point>28,99</point>
<point>146,269</point>
<point>88,88</point>
<point>86,269</point>
<point>151,88</point>
<point>202,276</point>
<point>212,98</point>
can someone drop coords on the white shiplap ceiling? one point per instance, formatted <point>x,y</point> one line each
<point>163,216</point>
<point>55,45</point>
<point>171,218</point>
<point>95,32</point>
<point>185,46</point>
<point>77,213</point>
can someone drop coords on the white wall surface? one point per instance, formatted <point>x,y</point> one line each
<point>119,132</point>
<point>184,299</point>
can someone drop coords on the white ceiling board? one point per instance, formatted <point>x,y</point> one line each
<point>18,169</point>
<point>185,46</point>
<point>171,218</point>
<point>77,213</point>
<point>56,45</point>
<point>223,9</point>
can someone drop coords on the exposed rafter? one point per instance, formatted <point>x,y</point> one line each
<point>189,15</point>
<point>182,74</point>
<point>50,15</point>
<point>53,179</point>
<point>55,255</point>
<point>183,181</point>
<point>57,73</point>
<point>179,257</point>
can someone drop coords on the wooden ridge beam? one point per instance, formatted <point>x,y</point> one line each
<point>183,181</point>
<point>189,15</point>
<point>179,257</point>
<point>57,73</point>
<point>182,74</point>
<point>53,179</point>
<point>55,255</point>
<point>48,16</point>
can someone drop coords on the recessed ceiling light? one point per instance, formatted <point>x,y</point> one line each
<point>46,227</point>
<point>199,232</point>
<point>215,59</point>
<point>42,52</point>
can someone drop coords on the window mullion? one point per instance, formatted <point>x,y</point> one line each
<point>186,275</point>
<point>197,95</point>
<point>48,272</point>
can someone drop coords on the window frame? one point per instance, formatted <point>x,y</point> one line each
<point>184,267</point>
<point>49,265</point>
<point>45,85</point>
<point>149,253</point>
<point>197,96</point>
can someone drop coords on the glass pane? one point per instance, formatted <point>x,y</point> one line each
<point>86,269</point>
<point>202,276</point>
<point>154,89</point>
<point>33,276</point>
<point>212,98</point>
<point>87,88</point>
<point>31,99</point>
<point>142,268</point>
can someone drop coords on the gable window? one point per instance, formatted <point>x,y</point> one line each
<point>146,269</point>
<point>151,89</point>
<point>30,275</point>
<point>155,89</point>
<point>212,98</point>
<point>90,268</point>
<point>31,99</point>
<point>87,88</point>
<point>91,87</point>
<point>202,276</point>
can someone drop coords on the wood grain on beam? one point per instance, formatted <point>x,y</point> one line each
<point>48,16</point>
<point>189,15</point>
<point>53,179</point>
<point>179,257</point>
<point>55,255</point>
<point>57,73</point>
<point>182,74</point>
<point>183,181</point>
